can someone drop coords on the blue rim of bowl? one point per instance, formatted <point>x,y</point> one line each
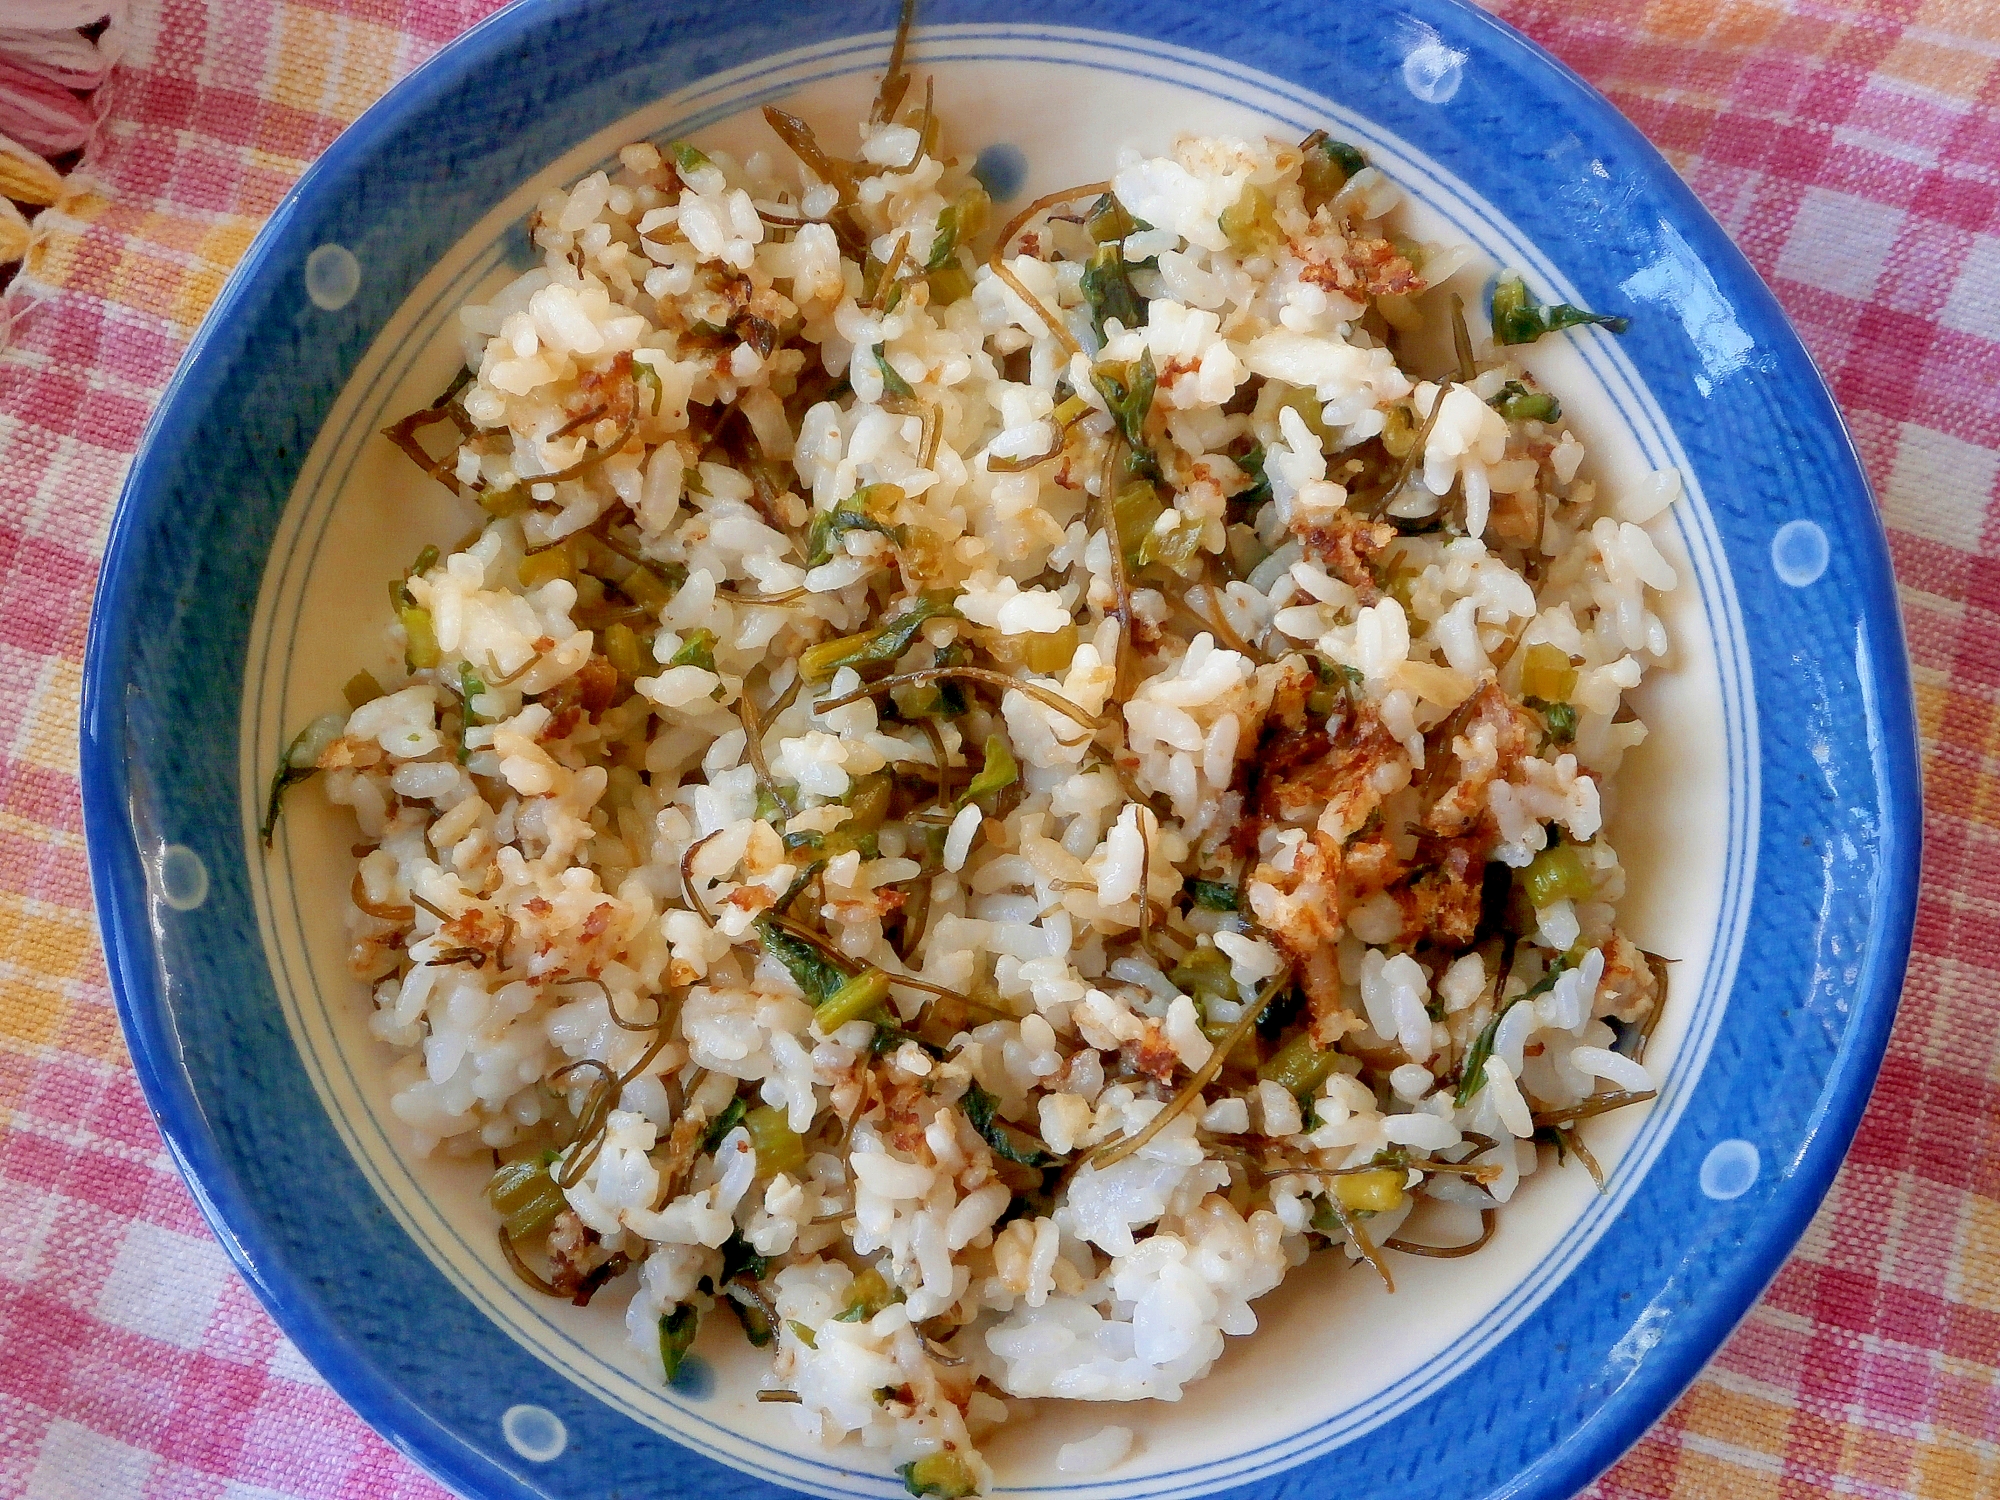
<point>128,919</point>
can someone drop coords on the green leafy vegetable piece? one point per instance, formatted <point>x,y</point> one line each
<point>1472,1077</point>
<point>1259,493</point>
<point>687,158</point>
<point>998,771</point>
<point>750,1313</point>
<point>677,1331</point>
<point>300,762</point>
<point>361,688</point>
<point>944,244</point>
<point>868,1294</point>
<point>1107,220</point>
<point>739,1259</point>
<point>718,1128</point>
<point>1212,895</point>
<point>892,383</point>
<point>819,663</point>
<point>1127,389</point>
<point>855,513</point>
<point>1561,721</point>
<point>1519,319</point>
<point>697,649</point>
<point>981,1112</point>
<point>817,976</point>
<point>1107,288</point>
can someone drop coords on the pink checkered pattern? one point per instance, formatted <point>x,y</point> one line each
<point>1851,146</point>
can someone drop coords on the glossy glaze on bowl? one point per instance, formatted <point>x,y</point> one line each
<point>1770,824</point>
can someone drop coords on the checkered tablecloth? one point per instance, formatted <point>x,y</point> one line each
<point>1852,147</point>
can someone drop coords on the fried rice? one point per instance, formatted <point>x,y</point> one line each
<point>975,796</point>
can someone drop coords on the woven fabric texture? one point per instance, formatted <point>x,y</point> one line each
<point>1852,147</point>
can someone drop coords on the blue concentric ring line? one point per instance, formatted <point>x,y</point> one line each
<point>1469,217</point>
<point>189,660</point>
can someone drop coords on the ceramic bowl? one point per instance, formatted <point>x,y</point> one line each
<point>1770,825</point>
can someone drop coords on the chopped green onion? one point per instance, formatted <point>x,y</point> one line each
<point>1519,404</point>
<point>1204,977</point>
<point>1546,673</point>
<point>1299,1067</point>
<point>1376,1192</point>
<point>1327,167</point>
<point>750,1313</point>
<point>855,1000</point>
<point>944,243</point>
<point>469,687</point>
<point>740,1258</point>
<point>1252,464</point>
<point>945,1475</point>
<point>418,630</point>
<point>622,650</point>
<point>525,1196</point>
<point>1557,875</point>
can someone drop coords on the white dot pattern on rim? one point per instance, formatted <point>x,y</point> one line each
<point>1799,552</point>
<point>183,878</point>
<point>333,276</point>
<point>1730,1170</point>
<point>534,1432</point>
